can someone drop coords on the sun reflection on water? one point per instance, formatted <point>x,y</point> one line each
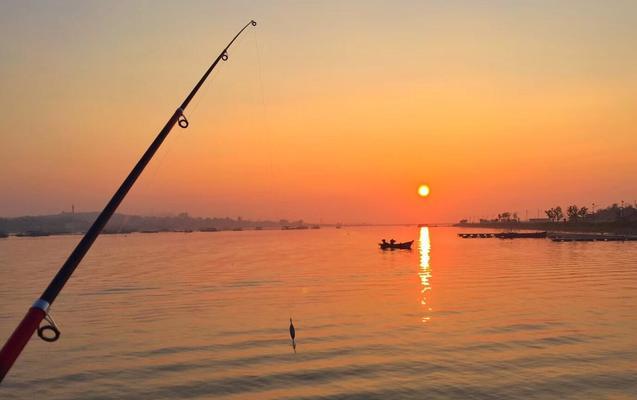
<point>424,271</point>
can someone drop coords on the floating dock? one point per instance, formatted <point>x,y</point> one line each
<point>591,237</point>
<point>476,235</point>
<point>505,235</point>
<point>554,236</point>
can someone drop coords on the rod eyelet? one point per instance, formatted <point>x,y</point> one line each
<point>253,22</point>
<point>224,56</point>
<point>44,336</point>
<point>50,326</point>
<point>183,122</point>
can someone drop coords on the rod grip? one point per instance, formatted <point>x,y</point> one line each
<point>20,337</point>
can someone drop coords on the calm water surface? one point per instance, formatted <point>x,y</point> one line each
<point>205,315</point>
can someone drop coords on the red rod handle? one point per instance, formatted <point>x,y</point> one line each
<point>13,347</point>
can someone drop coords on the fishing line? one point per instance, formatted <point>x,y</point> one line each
<point>205,90</point>
<point>191,114</point>
<point>123,224</point>
<point>150,181</point>
<point>267,126</point>
<point>265,116</point>
<point>295,290</point>
<point>195,106</point>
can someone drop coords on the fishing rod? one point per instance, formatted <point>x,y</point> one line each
<point>40,309</point>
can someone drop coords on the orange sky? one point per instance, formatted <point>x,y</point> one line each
<point>325,111</point>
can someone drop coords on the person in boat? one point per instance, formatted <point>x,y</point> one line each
<point>392,242</point>
<point>384,242</point>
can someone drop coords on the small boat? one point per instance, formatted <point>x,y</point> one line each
<point>521,235</point>
<point>390,246</point>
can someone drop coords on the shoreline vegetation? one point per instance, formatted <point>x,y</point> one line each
<point>68,223</point>
<point>615,219</point>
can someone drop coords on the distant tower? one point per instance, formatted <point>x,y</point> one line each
<point>72,223</point>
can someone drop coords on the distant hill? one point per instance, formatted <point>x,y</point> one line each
<point>65,223</point>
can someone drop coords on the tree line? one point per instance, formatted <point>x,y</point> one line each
<point>573,213</point>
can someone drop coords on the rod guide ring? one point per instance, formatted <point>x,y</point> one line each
<point>45,336</point>
<point>183,122</point>
<point>43,331</point>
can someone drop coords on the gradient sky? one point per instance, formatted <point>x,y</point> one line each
<point>326,111</point>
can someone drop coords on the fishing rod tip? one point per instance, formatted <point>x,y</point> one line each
<point>253,22</point>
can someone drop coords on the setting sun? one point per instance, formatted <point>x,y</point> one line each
<point>423,191</point>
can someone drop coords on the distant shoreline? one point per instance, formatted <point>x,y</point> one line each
<point>616,227</point>
<point>66,223</point>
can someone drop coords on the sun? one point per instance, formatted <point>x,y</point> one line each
<point>423,191</point>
